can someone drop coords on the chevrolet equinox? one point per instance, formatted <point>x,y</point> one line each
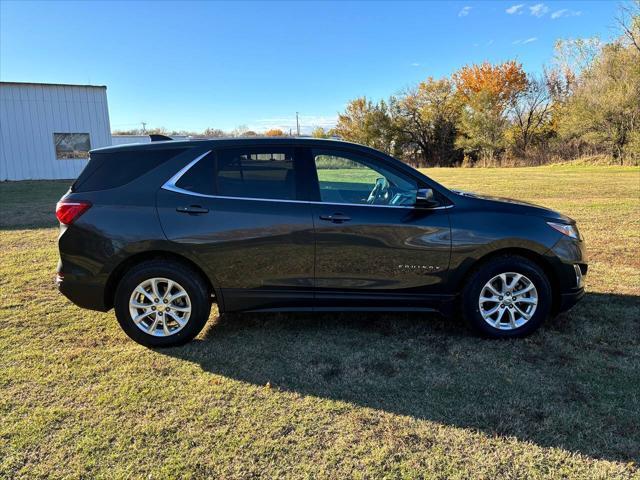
<point>160,231</point>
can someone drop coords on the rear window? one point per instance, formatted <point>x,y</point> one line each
<point>114,169</point>
<point>250,173</point>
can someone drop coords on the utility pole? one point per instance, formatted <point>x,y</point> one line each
<point>144,127</point>
<point>297,124</point>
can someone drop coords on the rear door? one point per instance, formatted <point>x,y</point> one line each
<point>237,211</point>
<point>374,247</point>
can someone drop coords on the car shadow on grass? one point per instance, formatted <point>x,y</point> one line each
<point>573,385</point>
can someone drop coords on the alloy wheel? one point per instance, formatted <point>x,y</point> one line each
<point>508,301</point>
<point>160,307</point>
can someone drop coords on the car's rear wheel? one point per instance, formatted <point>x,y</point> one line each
<point>162,303</point>
<point>508,296</point>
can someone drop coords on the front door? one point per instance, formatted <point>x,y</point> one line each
<point>236,211</point>
<point>374,247</point>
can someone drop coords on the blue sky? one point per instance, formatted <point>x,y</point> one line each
<point>192,65</point>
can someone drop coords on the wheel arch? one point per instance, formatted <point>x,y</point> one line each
<point>125,265</point>
<point>530,255</point>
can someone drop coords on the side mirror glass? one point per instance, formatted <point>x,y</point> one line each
<point>426,198</point>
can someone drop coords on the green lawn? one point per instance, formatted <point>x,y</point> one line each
<point>328,396</point>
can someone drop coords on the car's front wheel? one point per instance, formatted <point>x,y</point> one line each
<point>161,303</point>
<point>508,296</point>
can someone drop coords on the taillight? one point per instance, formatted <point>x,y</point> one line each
<point>68,212</point>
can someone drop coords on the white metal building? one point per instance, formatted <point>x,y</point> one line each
<point>46,130</point>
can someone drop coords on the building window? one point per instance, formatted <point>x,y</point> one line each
<point>71,145</point>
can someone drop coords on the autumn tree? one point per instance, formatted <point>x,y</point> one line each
<point>367,123</point>
<point>500,83</point>
<point>274,132</point>
<point>482,128</point>
<point>353,123</point>
<point>426,116</point>
<point>487,91</point>
<point>319,132</point>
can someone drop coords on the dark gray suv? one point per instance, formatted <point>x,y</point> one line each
<point>159,231</point>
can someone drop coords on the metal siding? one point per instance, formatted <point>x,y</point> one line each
<point>29,116</point>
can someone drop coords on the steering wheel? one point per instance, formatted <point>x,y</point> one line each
<point>378,191</point>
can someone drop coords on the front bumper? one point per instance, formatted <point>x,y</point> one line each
<point>568,258</point>
<point>568,300</point>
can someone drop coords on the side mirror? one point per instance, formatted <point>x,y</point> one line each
<point>425,198</point>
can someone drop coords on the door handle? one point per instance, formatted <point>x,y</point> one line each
<point>192,210</point>
<point>335,218</point>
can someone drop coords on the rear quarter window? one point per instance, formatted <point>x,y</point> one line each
<point>107,170</point>
<point>254,172</point>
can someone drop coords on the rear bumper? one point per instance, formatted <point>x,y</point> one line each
<point>84,291</point>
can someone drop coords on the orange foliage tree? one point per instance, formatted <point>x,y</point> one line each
<point>500,83</point>
<point>274,132</point>
<point>487,91</point>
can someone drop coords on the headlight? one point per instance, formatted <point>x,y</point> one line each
<point>565,229</point>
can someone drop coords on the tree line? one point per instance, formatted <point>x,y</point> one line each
<point>586,103</point>
<point>240,131</point>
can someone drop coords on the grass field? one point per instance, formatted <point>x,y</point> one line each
<point>328,396</point>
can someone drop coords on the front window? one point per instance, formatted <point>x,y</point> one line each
<point>352,179</point>
<point>71,146</point>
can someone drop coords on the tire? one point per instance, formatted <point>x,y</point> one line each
<point>184,316</point>
<point>512,318</point>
